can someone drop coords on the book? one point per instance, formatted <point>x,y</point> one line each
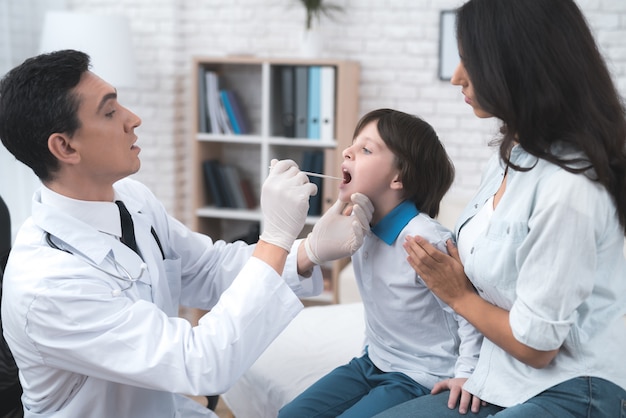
<point>212,101</point>
<point>248,194</point>
<point>318,167</point>
<point>229,111</point>
<point>313,126</point>
<point>301,101</point>
<point>225,186</point>
<point>203,116</point>
<point>313,161</point>
<point>219,122</point>
<point>327,103</point>
<point>238,111</point>
<point>227,194</point>
<point>211,179</point>
<point>233,186</point>
<point>222,118</point>
<point>288,104</point>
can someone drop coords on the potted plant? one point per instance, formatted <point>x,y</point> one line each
<point>311,38</point>
<point>316,8</point>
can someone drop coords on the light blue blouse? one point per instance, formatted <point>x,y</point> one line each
<point>409,329</point>
<point>551,255</point>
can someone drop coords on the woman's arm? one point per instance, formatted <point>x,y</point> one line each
<point>444,275</point>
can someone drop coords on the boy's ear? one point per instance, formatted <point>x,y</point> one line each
<point>396,183</point>
<point>61,147</point>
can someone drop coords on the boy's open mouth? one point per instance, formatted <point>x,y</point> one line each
<point>347,178</point>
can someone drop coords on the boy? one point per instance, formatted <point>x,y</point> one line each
<point>413,340</point>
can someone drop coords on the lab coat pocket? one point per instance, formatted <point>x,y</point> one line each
<point>173,273</point>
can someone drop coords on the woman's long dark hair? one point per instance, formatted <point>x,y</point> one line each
<point>534,65</point>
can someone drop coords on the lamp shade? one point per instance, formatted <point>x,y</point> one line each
<point>105,38</point>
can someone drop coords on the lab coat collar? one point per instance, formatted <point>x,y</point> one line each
<point>66,220</point>
<point>103,216</point>
<point>71,230</point>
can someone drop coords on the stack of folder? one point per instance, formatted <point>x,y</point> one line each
<point>307,102</point>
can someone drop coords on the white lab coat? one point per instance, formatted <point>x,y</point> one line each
<point>84,350</point>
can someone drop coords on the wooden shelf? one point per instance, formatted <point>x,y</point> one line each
<point>254,81</point>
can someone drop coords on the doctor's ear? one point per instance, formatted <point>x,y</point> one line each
<point>60,145</point>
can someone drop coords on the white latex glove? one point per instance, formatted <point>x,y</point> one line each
<point>337,235</point>
<point>285,203</point>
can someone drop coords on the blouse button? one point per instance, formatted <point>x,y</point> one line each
<point>472,250</point>
<point>508,229</point>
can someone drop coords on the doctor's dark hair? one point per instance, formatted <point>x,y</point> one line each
<point>426,171</point>
<point>534,65</point>
<point>36,100</point>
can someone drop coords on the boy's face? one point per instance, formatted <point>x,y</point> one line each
<point>369,168</point>
<point>105,139</point>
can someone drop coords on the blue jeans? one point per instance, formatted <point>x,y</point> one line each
<point>355,390</point>
<point>582,397</point>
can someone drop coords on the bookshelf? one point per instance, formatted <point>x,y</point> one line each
<point>258,84</point>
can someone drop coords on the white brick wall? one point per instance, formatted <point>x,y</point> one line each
<point>396,43</point>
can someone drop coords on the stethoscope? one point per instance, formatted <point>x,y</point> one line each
<point>122,273</point>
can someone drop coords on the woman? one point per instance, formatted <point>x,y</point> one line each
<point>539,268</point>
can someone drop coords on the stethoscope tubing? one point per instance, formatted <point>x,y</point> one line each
<point>121,271</point>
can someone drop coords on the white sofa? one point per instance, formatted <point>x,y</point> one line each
<point>317,340</point>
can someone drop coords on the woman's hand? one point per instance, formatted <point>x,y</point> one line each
<point>458,396</point>
<point>445,277</point>
<point>442,273</point>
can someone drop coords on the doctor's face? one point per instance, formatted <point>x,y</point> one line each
<point>106,137</point>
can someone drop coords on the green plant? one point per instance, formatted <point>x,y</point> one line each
<point>316,8</point>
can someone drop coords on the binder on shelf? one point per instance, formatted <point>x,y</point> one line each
<point>313,126</point>
<point>287,96</point>
<point>301,101</point>
<point>313,161</point>
<point>327,103</point>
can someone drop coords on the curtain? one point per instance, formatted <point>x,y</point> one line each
<point>20,27</point>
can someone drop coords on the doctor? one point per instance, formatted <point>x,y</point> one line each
<point>91,322</point>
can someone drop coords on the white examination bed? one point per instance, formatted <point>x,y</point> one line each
<point>315,342</point>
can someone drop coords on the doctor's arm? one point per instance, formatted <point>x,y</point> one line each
<point>445,277</point>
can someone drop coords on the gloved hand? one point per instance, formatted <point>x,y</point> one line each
<point>337,235</point>
<point>285,203</point>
